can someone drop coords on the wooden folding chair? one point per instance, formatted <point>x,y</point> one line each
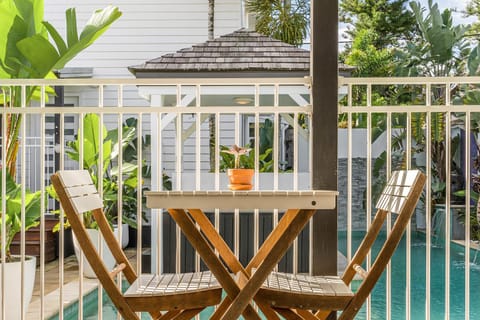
<point>181,296</point>
<point>297,296</point>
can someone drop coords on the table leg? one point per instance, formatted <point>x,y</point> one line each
<point>198,241</point>
<point>229,258</point>
<point>264,250</point>
<point>289,226</point>
<point>216,240</point>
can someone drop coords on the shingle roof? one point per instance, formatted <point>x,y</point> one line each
<point>241,50</point>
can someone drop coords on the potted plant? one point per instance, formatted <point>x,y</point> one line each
<point>240,177</point>
<point>110,176</point>
<point>13,224</point>
<point>29,53</point>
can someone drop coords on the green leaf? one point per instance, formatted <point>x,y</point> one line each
<point>95,27</point>
<point>474,61</point>
<point>128,134</point>
<point>72,33</point>
<point>40,53</point>
<point>36,55</point>
<point>61,46</point>
<point>31,12</point>
<point>127,168</point>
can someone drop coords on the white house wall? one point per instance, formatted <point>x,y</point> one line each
<point>146,30</point>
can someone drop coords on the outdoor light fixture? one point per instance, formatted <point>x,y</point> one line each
<point>242,100</point>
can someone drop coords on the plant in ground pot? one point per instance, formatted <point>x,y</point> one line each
<point>27,52</point>
<point>240,177</point>
<point>110,176</point>
<point>13,225</point>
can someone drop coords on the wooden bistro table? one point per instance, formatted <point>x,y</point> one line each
<point>185,207</point>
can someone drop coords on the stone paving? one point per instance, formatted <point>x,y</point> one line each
<point>70,289</point>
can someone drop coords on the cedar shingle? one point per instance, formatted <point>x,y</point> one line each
<point>241,50</point>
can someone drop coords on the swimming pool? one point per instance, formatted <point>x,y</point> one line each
<point>109,312</point>
<point>378,300</point>
<point>418,282</point>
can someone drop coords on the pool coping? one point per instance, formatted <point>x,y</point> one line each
<point>71,294</point>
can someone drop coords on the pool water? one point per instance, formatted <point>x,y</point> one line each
<point>418,280</point>
<point>378,298</point>
<point>109,312</point>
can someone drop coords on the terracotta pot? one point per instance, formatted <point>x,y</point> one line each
<point>240,179</point>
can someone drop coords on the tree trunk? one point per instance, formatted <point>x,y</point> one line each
<point>211,119</point>
<point>211,19</point>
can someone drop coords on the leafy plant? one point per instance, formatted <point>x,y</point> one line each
<point>475,213</point>
<point>14,203</point>
<point>389,18</point>
<point>109,171</point>
<point>369,60</point>
<point>286,21</point>
<point>439,50</point>
<point>237,153</point>
<point>246,161</point>
<point>26,52</point>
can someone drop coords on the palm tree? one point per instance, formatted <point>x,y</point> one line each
<point>211,118</point>
<point>284,20</point>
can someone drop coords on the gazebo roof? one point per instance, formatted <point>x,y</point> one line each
<point>241,52</point>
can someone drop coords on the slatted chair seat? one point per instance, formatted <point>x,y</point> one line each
<point>315,297</point>
<point>172,283</point>
<point>165,296</point>
<point>303,291</point>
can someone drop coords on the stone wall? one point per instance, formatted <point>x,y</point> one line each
<point>359,186</point>
<point>359,182</point>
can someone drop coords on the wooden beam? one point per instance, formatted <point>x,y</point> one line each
<point>324,73</point>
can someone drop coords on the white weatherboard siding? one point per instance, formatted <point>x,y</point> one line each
<point>146,30</point>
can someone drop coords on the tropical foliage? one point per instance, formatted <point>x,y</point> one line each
<point>13,216</point>
<point>436,47</point>
<point>285,20</point>
<point>107,168</point>
<point>368,59</point>
<point>26,52</point>
<point>236,157</point>
<point>389,18</point>
<point>473,10</point>
<point>440,48</point>
<point>237,152</point>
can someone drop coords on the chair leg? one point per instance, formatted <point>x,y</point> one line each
<point>222,307</point>
<point>307,314</point>
<point>323,314</point>
<point>268,311</point>
<point>156,315</point>
<point>288,314</point>
<point>169,315</point>
<point>188,314</point>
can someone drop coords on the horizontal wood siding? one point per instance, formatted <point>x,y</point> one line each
<point>146,30</point>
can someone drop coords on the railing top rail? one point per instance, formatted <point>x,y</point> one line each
<point>156,81</point>
<point>409,108</point>
<point>147,109</point>
<point>234,81</point>
<point>406,80</point>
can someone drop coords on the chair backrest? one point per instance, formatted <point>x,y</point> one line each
<point>400,196</point>
<point>78,194</point>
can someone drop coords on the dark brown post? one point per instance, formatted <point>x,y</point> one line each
<point>324,72</point>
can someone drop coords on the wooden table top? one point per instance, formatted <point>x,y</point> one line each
<point>308,199</point>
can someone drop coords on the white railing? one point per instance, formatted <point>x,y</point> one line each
<point>411,129</point>
<point>180,114</point>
